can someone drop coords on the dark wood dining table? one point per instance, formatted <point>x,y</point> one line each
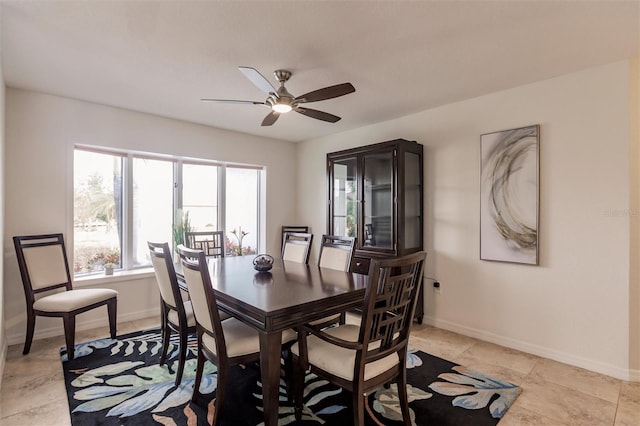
<point>290,294</point>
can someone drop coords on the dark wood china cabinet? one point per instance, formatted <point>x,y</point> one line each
<point>376,195</point>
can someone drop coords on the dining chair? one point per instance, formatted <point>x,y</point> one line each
<point>292,228</point>
<point>336,252</point>
<point>360,358</point>
<point>176,314</point>
<point>44,267</point>
<point>297,246</point>
<point>224,343</point>
<point>211,242</point>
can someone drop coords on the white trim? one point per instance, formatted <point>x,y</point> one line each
<point>18,338</point>
<point>118,276</point>
<point>591,365</point>
<point>163,157</point>
<point>3,358</point>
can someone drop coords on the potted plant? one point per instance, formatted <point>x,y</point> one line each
<point>182,225</point>
<point>108,268</point>
<point>237,251</point>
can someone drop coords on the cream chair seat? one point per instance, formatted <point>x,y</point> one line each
<point>73,299</point>
<point>240,339</point>
<point>341,361</point>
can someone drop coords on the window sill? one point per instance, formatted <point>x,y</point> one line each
<point>118,276</point>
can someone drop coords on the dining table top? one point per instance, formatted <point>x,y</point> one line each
<point>285,296</point>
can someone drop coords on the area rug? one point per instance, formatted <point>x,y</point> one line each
<point>119,382</point>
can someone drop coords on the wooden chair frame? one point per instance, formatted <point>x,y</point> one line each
<point>298,238</point>
<point>163,252</point>
<point>390,302</point>
<point>211,242</point>
<point>338,242</point>
<point>26,242</point>
<point>292,228</point>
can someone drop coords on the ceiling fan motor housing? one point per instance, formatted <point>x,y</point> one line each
<point>282,75</point>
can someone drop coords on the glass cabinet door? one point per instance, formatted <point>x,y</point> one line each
<point>412,202</point>
<point>344,200</point>
<point>378,200</point>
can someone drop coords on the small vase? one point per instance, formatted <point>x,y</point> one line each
<point>108,271</point>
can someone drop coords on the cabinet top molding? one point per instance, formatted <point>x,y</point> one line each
<point>380,145</point>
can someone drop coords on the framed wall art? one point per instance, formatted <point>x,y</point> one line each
<point>509,195</point>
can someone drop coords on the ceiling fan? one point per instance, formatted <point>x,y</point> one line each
<point>281,101</point>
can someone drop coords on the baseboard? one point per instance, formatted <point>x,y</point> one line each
<point>18,338</point>
<point>3,357</point>
<point>591,365</point>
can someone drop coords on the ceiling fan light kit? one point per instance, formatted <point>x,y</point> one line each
<point>281,108</point>
<point>281,101</point>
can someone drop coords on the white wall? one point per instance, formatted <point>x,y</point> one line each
<point>40,133</point>
<point>3,340</point>
<point>574,307</point>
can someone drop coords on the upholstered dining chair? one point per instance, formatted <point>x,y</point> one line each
<point>336,252</point>
<point>297,247</point>
<point>44,267</point>
<point>175,314</point>
<point>292,228</point>
<point>360,358</point>
<point>211,242</point>
<point>224,343</point>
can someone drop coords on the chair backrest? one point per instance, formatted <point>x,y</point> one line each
<point>43,264</point>
<point>336,252</point>
<point>297,246</point>
<point>203,299</point>
<point>292,228</point>
<point>390,302</point>
<point>211,242</point>
<point>165,274</point>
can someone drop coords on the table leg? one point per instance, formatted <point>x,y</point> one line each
<point>270,352</point>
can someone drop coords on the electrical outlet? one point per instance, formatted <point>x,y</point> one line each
<point>436,287</point>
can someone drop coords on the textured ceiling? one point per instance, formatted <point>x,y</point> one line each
<point>161,57</point>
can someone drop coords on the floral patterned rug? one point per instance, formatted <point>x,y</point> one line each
<point>119,382</point>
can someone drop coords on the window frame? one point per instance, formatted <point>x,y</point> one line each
<point>128,156</point>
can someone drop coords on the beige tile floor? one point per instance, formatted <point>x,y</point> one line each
<point>554,394</point>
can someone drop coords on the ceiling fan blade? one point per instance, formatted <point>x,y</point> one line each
<point>270,118</point>
<point>327,93</point>
<point>232,101</point>
<point>319,115</point>
<point>258,79</point>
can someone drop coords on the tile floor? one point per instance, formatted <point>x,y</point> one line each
<point>553,394</point>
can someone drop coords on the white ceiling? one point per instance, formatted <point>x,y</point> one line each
<point>161,57</point>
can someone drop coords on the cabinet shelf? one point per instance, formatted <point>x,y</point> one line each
<point>379,187</point>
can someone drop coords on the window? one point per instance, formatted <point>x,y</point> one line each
<point>123,200</point>
<point>97,211</point>
<point>152,210</point>
<point>242,210</point>
<point>200,195</point>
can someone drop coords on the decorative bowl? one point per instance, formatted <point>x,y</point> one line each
<point>263,263</point>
